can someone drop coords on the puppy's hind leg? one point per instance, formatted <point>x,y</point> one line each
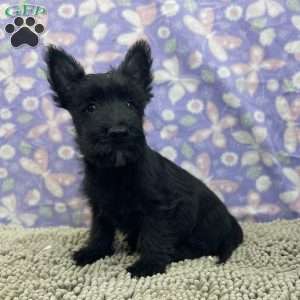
<point>225,251</point>
<point>234,239</point>
<point>191,251</point>
<point>132,239</point>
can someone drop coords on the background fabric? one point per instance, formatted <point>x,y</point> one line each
<point>226,105</point>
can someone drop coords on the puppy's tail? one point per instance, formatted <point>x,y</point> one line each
<point>231,242</point>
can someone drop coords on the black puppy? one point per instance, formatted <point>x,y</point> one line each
<point>166,213</point>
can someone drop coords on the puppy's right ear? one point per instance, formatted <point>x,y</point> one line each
<point>63,72</point>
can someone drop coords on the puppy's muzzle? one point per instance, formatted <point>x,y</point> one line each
<point>118,132</point>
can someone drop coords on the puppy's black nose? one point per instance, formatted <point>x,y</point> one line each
<point>118,131</point>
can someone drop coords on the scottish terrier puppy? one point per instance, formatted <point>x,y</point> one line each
<point>166,214</point>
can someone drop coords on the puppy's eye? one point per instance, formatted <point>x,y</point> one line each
<point>130,104</point>
<point>90,108</point>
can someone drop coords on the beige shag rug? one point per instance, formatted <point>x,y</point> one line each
<point>36,264</point>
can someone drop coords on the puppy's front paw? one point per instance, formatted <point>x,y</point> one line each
<point>88,255</point>
<point>132,244</point>
<point>131,249</point>
<point>145,268</point>
<point>84,256</point>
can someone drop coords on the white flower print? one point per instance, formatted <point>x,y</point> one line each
<point>88,7</point>
<point>54,120</point>
<point>201,169</point>
<point>163,32</point>
<point>255,140</point>
<point>195,106</point>
<point>100,31</point>
<point>66,152</point>
<point>261,7</point>
<point>32,197</point>
<point>272,85</point>
<point>13,84</point>
<point>292,197</point>
<point>7,152</point>
<point>255,206</point>
<point>8,211</point>
<point>3,173</point>
<point>203,26</point>
<point>168,132</point>
<point>92,56</point>
<point>263,183</point>
<point>259,116</point>
<point>143,16</point>
<point>289,113</point>
<point>7,129</point>
<point>233,12</point>
<point>168,115</point>
<point>169,8</point>
<point>30,103</point>
<point>229,159</point>
<point>267,36</point>
<point>66,11</point>
<point>195,59</point>
<point>30,59</point>
<point>169,152</point>
<point>216,128</point>
<point>39,166</point>
<point>296,80</point>
<point>293,47</point>
<point>255,65</point>
<point>179,84</point>
<point>5,113</point>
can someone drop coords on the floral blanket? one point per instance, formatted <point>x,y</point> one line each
<point>226,105</point>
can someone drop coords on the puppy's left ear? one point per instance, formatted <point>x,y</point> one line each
<point>137,64</point>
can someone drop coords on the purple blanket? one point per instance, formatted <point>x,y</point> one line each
<point>226,105</point>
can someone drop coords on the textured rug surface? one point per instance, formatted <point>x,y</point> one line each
<point>36,264</point>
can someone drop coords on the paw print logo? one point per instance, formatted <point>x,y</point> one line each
<point>24,33</point>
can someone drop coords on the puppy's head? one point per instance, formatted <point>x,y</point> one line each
<point>107,109</point>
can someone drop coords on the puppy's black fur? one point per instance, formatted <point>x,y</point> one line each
<point>166,213</point>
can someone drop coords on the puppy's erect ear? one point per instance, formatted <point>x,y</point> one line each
<point>137,63</point>
<point>63,72</point>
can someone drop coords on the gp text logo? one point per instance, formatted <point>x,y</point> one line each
<point>25,10</point>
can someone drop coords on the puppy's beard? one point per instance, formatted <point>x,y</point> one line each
<point>120,159</point>
<point>108,155</point>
